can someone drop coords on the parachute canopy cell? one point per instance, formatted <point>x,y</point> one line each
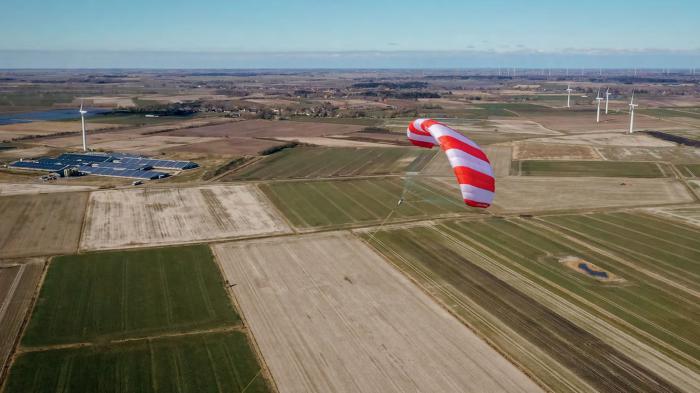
<point>469,162</point>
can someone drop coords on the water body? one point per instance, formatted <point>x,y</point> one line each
<point>53,114</point>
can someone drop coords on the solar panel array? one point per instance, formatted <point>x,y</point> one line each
<point>42,166</point>
<point>162,164</point>
<point>82,158</point>
<point>130,173</point>
<point>118,165</point>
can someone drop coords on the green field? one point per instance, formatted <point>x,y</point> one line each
<point>480,269</point>
<point>587,168</point>
<point>360,201</point>
<point>220,362</point>
<point>311,162</point>
<point>111,295</point>
<point>689,170</point>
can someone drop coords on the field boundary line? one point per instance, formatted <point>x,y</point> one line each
<point>12,355</point>
<point>244,321</point>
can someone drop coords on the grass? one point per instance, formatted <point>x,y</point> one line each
<point>202,363</point>
<point>672,112</point>
<point>450,260</point>
<point>587,168</point>
<point>313,162</point>
<point>689,170</point>
<point>112,295</point>
<point>314,204</point>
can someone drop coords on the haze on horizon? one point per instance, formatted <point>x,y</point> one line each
<point>362,34</point>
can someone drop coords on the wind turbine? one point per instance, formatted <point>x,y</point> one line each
<point>632,106</point>
<point>82,120</point>
<point>568,96</point>
<point>607,99</point>
<point>598,98</point>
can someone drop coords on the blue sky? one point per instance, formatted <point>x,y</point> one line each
<point>229,29</point>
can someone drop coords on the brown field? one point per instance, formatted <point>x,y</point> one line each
<point>29,152</point>
<point>584,121</point>
<point>42,224</point>
<point>329,314</point>
<point>678,154</point>
<point>531,194</point>
<point>150,144</point>
<point>268,128</point>
<point>227,146</point>
<point>155,216</point>
<point>688,214</point>
<point>38,188</point>
<point>11,131</point>
<point>500,157</point>
<point>334,142</point>
<point>608,139</point>
<point>550,151</point>
<point>18,281</point>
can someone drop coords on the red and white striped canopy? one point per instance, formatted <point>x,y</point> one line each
<point>469,162</point>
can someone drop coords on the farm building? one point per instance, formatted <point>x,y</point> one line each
<point>115,165</point>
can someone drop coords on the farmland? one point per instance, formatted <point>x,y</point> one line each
<point>532,194</point>
<point>551,151</point>
<point>18,281</point>
<point>42,224</point>
<point>323,204</point>
<point>335,317</point>
<point>689,214</point>
<point>689,170</point>
<point>504,277</point>
<point>144,320</point>
<point>589,168</point>
<point>214,362</point>
<point>327,162</point>
<point>129,294</point>
<point>130,218</point>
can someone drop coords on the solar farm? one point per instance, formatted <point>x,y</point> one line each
<point>113,165</point>
<point>314,254</point>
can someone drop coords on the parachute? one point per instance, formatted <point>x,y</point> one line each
<point>470,164</point>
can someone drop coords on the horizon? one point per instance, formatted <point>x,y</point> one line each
<point>363,34</point>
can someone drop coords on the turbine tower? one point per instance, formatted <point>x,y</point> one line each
<point>632,106</point>
<point>82,120</point>
<point>607,100</point>
<point>598,98</point>
<point>568,96</point>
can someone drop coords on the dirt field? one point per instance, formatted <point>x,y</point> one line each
<point>584,121</point>
<point>608,139</point>
<point>43,224</point>
<point>151,216</point>
<point>530,194</point>
<point>268,128</point>
<point>673,154</point>
<point>38,188</point>
<point>10,131</point>
<point>151,144</point>
<point>18,281</point>
<point>552,151</point>
<point>333,142</point>
<point>227,146</point>
<point>335,317</point>
<point>30,152</point>
<point>688,214</point>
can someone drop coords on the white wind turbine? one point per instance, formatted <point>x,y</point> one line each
<point>607,100</point>
<point>598,98</point>
<point>568,96</point>
<point>82,120</point>
<point>632,106</point>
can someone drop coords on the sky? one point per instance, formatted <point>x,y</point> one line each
<point>378,33</point>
